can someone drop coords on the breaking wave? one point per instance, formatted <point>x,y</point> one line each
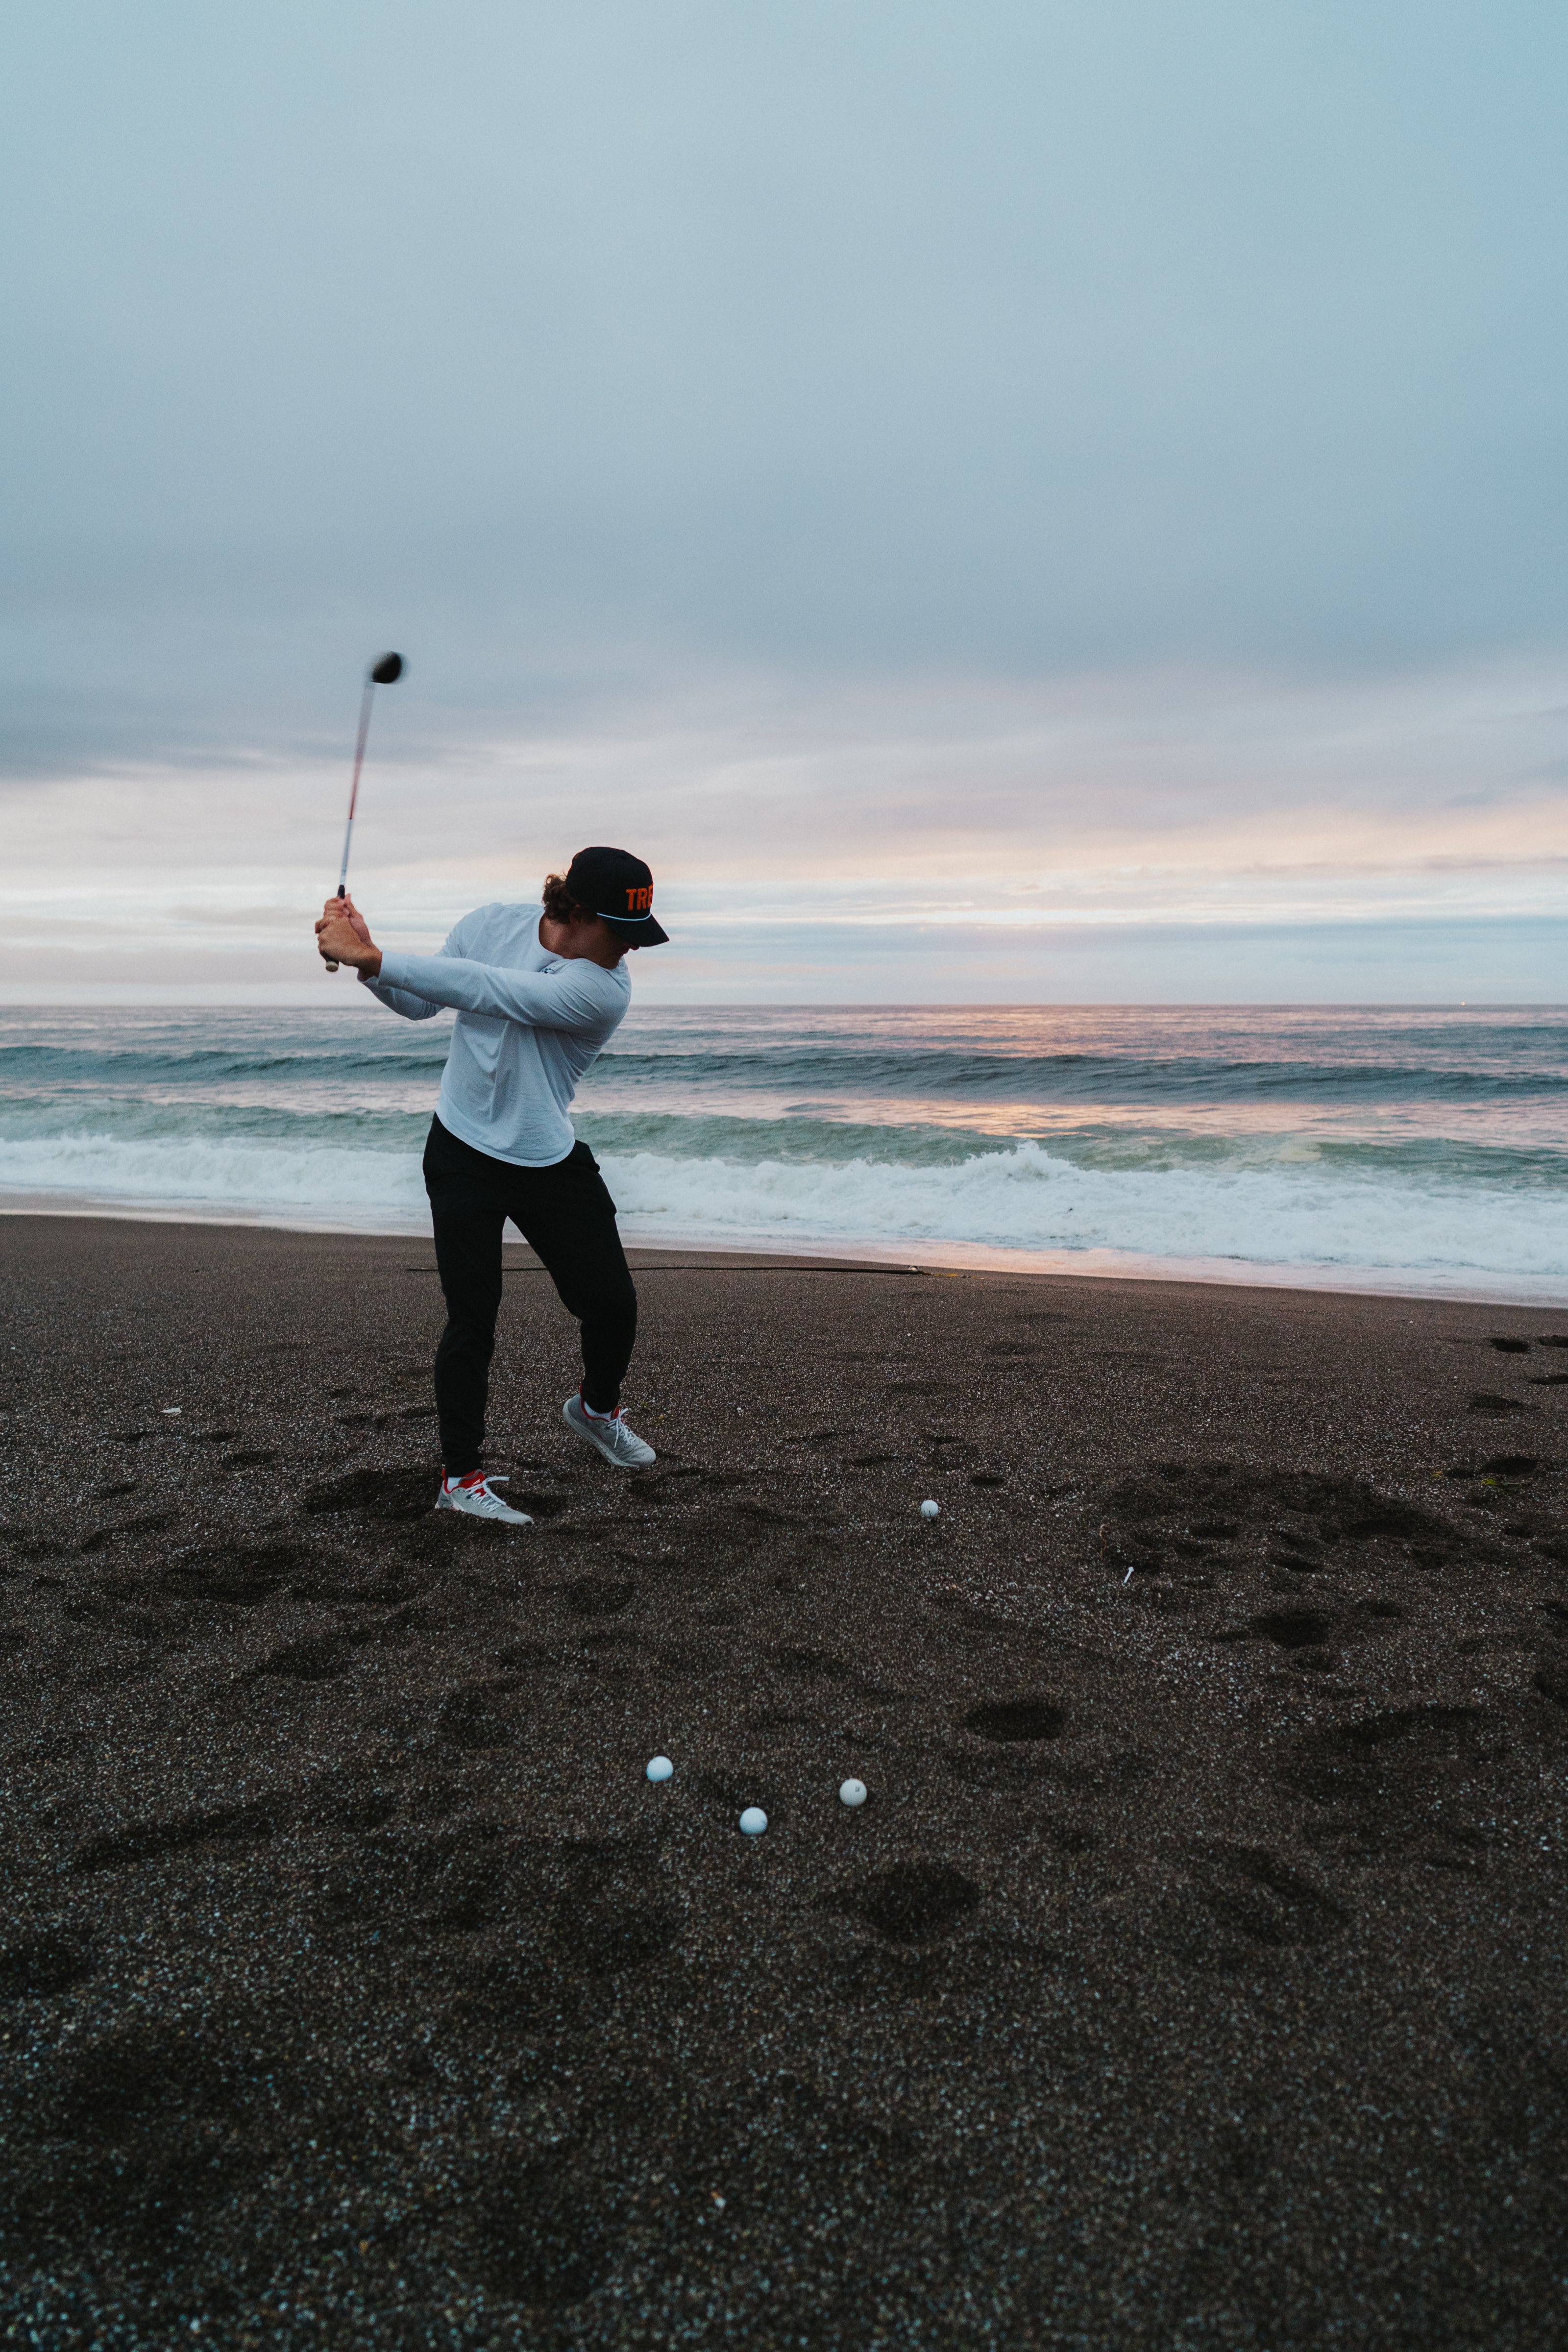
<point>1434,1148</point>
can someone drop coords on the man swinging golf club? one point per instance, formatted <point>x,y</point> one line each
<point>538,992</point>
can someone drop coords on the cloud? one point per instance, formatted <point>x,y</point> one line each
<point>793,831</point>
<point>1063,465</point>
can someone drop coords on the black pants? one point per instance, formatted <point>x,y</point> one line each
<point>568,1219</point>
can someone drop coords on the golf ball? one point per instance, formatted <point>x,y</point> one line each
<point>929,1510</point>
<point>660,1768</point>
<point>852,1792</point>
<point>753,1820</point>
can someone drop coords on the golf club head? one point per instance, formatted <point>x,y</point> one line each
<point>387,670</point>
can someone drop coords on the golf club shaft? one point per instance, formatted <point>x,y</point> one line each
<point>365,701</point>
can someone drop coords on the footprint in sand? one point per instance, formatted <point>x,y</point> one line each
<point>227,1826</point>
<point>598,1596</point>
<point>319,1660</point>
<point>910,1902</point>
<point>242,1577</point>
<point>1295,1629</point>
<point>1256,1893</point>
<point>45,1966</point>
<point>482,1715</point>
<point>1018,1719</point>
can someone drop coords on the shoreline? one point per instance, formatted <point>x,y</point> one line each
<point>933,1255</point>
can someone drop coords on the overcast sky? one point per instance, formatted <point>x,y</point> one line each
<point>993,500</point>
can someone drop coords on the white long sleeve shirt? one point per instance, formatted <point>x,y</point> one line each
<point>528,1024</point>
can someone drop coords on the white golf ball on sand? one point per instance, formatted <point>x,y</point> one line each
<point>852,1792</point>
<point>660,1768</point>
<point>753,1820</point>
<point>929,1510</point>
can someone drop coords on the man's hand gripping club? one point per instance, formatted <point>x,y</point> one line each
<point>342,935</point>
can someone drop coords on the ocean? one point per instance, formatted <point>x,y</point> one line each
<point>1417,1150</point>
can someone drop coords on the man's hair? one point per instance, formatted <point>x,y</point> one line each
<point>560,907</point>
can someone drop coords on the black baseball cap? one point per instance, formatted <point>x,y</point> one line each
<point>618,888</point>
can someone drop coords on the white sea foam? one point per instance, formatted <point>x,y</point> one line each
<point>1286,1213</point>
<point>1030,1199</point>
<point>314,1183</point>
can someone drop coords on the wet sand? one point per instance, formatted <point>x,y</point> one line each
<point>1194,1975</point>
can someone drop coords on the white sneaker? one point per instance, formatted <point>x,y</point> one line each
<point>609,1434</point>
<point>480,1504</point>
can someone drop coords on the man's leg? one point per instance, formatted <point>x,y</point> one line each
<point>567,1218</point>
<point>468,1217</point>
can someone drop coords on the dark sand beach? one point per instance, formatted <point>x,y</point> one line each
<point>1194,1975</point>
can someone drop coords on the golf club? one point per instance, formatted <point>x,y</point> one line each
<point>387,671</point>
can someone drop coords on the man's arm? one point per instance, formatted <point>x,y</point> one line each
<point>573,997</point>
<point>398,999</point>
<point>570,998</point>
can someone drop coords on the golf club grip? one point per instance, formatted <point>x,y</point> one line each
<point>332,967</point>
